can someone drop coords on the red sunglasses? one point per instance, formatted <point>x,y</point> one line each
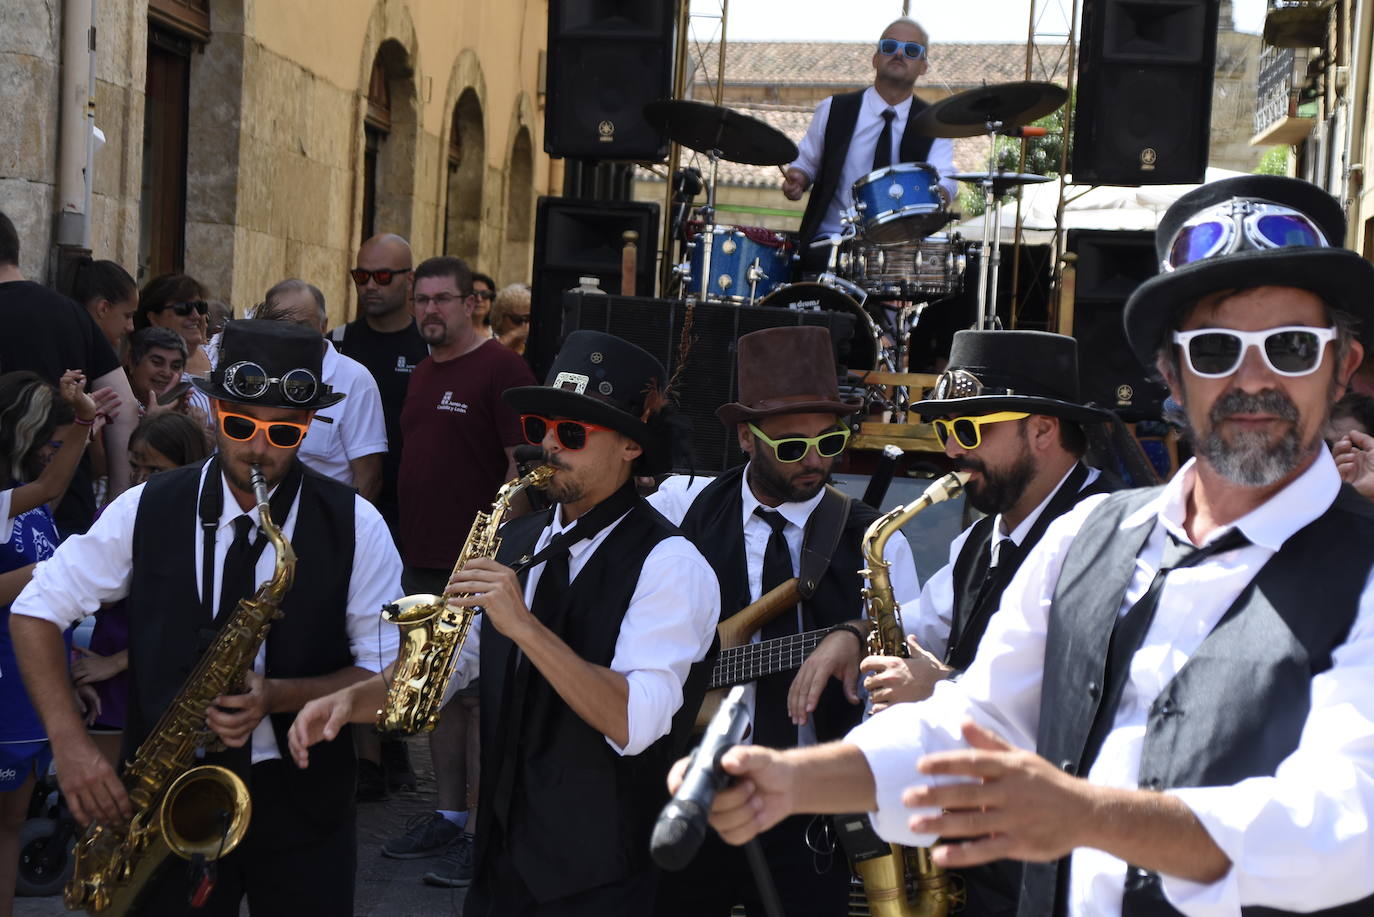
<point>571,434</point>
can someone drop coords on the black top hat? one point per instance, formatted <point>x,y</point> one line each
<point>1339,276</point>
<point>270,364</point>
<point>990,371</point>
<point>605,380</point>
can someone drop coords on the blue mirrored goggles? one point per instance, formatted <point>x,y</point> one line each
<point>912,49</point>
<point>1241,224</point>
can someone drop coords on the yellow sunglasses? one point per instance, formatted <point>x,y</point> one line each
<point>794,448</point>
<point>968,431</point>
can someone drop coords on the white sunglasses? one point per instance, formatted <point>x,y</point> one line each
<point>1292,350</point>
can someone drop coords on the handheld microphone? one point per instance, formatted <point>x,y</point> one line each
<point>681,826</point>
<point>1029,130</point>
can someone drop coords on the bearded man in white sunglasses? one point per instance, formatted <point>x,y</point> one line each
<point>1170,710</point>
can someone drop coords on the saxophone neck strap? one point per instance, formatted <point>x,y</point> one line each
<point>820,539</point>
<point>588,526</point>
<point>211,507</point>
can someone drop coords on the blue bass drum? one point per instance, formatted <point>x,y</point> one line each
<point>747,263</point>
<point>900,203</point>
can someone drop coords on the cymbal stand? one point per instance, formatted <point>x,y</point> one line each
<point>991,260</point>
<point>708,225</point>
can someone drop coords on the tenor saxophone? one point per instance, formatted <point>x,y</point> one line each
<point>179,809</point>
<point>903,882</point>
<point>433,631</point>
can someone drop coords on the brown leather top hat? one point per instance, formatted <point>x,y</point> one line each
<point>788,370</point>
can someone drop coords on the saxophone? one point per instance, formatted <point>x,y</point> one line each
<point>904,882</point>
<point>433,631</point>
<point>179,809</point>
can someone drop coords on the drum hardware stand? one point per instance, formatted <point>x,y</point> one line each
<point>990,262</point>
<point>708,224</point>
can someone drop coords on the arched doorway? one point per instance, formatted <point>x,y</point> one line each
<point>519,209</point>
<point>389,143</point>
<point>467,157</point>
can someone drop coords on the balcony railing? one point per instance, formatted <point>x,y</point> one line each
<point>1281,116</point>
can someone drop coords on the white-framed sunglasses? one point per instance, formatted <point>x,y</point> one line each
<point>1291,350</point>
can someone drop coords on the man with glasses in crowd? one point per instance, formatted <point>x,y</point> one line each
<point>1189,663</point>
<point>181,551</point>
<point>855,133</point>
<point>588,654</point>
<point>759,525</point>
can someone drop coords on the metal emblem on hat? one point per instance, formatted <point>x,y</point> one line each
<point>957,383</point>
<point>572,382</point>
<point>605,388</point>
<point>596,356</point>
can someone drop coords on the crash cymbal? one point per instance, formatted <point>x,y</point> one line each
<point>966,114</point>
<point>702,127</point>
<point>1002,182</point>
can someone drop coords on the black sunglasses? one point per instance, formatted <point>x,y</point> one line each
<point>516,319</point>
<point>383,276</point>
<point>184,309</point>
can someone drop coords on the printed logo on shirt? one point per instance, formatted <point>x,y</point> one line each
<point>38,545</point>
<point>7,774</point>
<point>403,365</point>
<point>447,403</point>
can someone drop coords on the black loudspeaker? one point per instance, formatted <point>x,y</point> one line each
<point>606,60</point>
<point>1110,265</point>
<point>1144,91</point>
<point>709,379</point>
<point>581,238</point>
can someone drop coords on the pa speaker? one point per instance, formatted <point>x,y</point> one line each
<point>1110,265</point>
<point>581,238</point>
<point>1144,91</point>
<point>709,379</point>
<point>606,60</point>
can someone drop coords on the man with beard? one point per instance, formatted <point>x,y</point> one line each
<point>1202,727</point>
<point>758,525</point>
<point>584,654</point>
<point>181,551</point>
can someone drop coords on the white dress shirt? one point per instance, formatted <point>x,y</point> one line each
<point>350,429</point>
<point>932,618</point>
<point>1299,840</point>
<point>675,497</point>
<point>858,162</point>
<point>97,567</point>
<point>669,625</point>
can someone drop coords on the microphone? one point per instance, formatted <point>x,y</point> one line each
<point>1029,130</point>
<point>681,826</point>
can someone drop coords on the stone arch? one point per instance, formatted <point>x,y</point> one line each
<point>389,133</point>
<point>464,152</point>
<point>520,192</point>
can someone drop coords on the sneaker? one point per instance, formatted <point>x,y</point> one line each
<point>455,866</point>
<point>396,763</point>
<point>371,782</point>
<point>425,836</point>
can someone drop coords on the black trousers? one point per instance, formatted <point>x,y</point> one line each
<point>809,884</point>
<point>287,865</point>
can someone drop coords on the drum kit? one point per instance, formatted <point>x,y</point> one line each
<point>892,257</point>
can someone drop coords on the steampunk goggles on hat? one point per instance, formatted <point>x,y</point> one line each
<point>249,381</point>
<point>1241,224</point>
<point>960,383</point>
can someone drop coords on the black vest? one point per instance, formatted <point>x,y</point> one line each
<point>974,604</point>
<point>714,524</point>
<point>839,129</point>
<point>311,639</point>
<point>581,814</point>
<point>1260,658</point>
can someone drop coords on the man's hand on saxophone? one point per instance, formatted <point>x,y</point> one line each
<point>233,717</point>
<point>892,680</point>
<point>484,583</point>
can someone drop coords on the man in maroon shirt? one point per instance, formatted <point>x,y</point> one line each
<point>458,439</point>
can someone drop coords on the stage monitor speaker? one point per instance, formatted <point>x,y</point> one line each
<point>1110,265</point>
<point>580,238</point>
<point>1144,102</point>
<point>606,60</point>
<point>709,379</point>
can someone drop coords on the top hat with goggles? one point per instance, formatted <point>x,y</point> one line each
<point>1241,233</point>
<point>271,365</point>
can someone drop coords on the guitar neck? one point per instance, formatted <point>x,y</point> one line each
<point>739,664</point>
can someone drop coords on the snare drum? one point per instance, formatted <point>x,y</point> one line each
<point>747,263</point>
<point>930,269</point>
<point>900,203</point>
<point>836,295</point>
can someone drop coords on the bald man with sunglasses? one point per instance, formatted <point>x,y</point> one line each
<point>181,551</point>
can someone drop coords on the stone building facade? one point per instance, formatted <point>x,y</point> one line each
<point>246,141</point>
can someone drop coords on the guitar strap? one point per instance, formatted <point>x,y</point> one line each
<point>820,539</point>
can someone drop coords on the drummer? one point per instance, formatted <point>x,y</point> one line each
<point>855,133</point>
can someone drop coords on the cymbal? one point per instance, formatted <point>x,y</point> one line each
<point>738,138</point>
<point>966,114</point>
<point>1002,182</point>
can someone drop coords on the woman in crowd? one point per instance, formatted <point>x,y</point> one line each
<point>110,296</point>
<point>178,302</point>
<point>510,316</point>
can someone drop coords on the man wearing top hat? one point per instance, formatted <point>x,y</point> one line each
<point>585,653</point>
<point>1189,663</point>
<point>759,524</point>
<point>182,550</point>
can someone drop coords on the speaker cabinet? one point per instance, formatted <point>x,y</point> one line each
<point>709,379</point>
<point>606,60</point>
<point>581,238</point>
<point>1144,100</point>
<point>1110,265</point>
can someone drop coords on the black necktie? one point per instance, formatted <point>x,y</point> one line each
<point>773,727</point>
<point>1129,632</point>
<point>882,153</point>
<point>238,577</point>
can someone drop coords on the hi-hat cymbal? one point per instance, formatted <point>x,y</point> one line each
<point>1002,182</point>
<point>738,138</point>
<point>966,114</point>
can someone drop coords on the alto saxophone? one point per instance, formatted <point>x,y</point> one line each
<point>433,631</point>
<point>179,809</point>
<point>904,882</point>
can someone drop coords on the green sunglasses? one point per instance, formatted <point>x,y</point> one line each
<point>793,448</point>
